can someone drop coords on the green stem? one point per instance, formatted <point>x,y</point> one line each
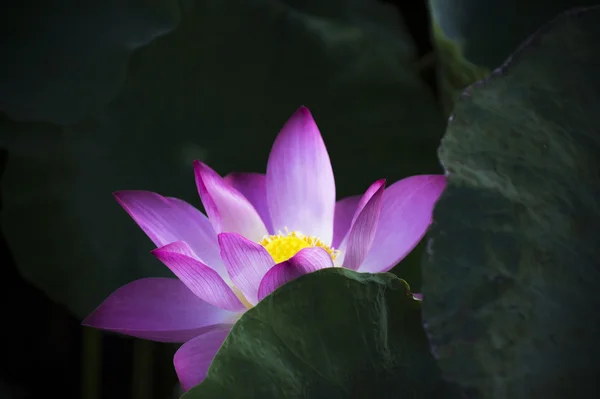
<point>142,378</point>
<point>91,363</point>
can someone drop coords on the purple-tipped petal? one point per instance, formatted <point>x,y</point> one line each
<point>418,296</point>
<point>344,212</point>
<point>194,357</point>
<point>203,281</point>
<point>406,214</point>
<point>254,187</point>
<point>158,309</point>
<point>300,184</point>
<point>306,261</point>
<point>227,208</point>
<point>364,224</point>
<point>166,220</point>
<point>373,189</point>
<point>247,262</point>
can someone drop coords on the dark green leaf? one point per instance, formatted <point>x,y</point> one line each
<point>218,88</point>
<point>488,31</point>
<point>64,60</point>
<point>377,17</point>
<point>454,71</point>
<point>511,285</point>
<point>330,334</point>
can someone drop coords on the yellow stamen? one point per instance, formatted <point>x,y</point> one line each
<point>282,247</point>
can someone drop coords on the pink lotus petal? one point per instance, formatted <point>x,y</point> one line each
<point>158,309</point>
<point>364,225</point>
<point>247,262</point>
<point>300,184</point>
<point>406,214</point>
<point>418,296</point>
<point>227,209</point>
<point>166,220</point>
<point>306,261</point>
<point>373,189</point>
<point>203,281</point>
<point>194,357</point>
<point>254,187</point>
<point>344,212</point>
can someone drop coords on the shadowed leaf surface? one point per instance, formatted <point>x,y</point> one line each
<point>332,334</point>
<point>64,60</point>
<point>511,283</point>
<point>489,31</point>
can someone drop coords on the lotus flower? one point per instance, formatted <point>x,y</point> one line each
<point>261,232</point>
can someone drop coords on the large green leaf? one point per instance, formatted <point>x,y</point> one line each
<point>455,73</point>
<point>488,31</point>
<point>330,334</point>
<point>511,285</point>
<point>217,88</point>
<point>378,17</point>
<point>64,60</point>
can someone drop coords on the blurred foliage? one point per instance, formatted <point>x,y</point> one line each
<point>455,72</point>
<point>489,31</point>
<point>217,88</point>
<point>64,60</point>
<point>511,281</point>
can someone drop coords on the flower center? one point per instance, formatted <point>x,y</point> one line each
<point>283,247</point>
